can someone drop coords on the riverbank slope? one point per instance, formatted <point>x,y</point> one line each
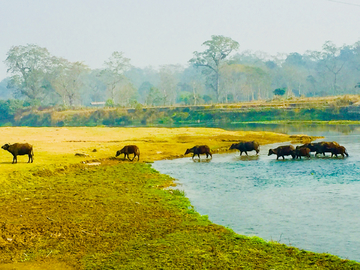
<point>94,211</point>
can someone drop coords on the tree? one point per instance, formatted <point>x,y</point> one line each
<point>67,80</point>
<point>218,48</point>
<point>143,91</point>
<point>244,82</point>
<point>168,83</point>
<point>234,81</point>
<point>294,77</point>
<point>29,66</point>
<point>126,93</point>
<point>97,88</point>
<point>113,74</point>
<point>154,97</point>
<point>329,64</point>
<point>192,81</point>
<point>279,91</point>
<point>294,59</point>
<point>332,62</point>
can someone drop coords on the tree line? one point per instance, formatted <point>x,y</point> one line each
<point>218,74</point>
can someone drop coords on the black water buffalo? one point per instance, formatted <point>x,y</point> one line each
<point>324,147</point>
<point>339,150</point>
<point>198,150</point>
<point>311,146</point>
<point>281,151</point>
<point>246,146</point>
<point>129,149</point>
<point>17,149</point>
<point>302,151</point>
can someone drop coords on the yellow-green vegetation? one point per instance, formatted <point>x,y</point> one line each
<point>330,108</point>
<point>98,212</point>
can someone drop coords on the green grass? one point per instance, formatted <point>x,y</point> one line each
<point>118,216</point>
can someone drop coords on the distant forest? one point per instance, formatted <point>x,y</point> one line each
<point>218,74</point>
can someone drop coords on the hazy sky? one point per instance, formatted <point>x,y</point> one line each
<point>159,32</point>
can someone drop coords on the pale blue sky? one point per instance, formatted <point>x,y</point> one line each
<point>160,32</point>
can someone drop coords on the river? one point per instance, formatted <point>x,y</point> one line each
<point>312,204</point>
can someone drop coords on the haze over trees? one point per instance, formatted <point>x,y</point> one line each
<point>219,74</point>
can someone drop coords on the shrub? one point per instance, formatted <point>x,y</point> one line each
<point>279,91</point>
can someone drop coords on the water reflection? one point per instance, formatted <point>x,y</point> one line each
<point>246,158</point>
<point>287,128</point>
<point>294,127</point>
<point>204,160</point>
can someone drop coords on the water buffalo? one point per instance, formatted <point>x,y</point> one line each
<point>302,151</point>
<point>17,149</point>
<point>199,149</point>
<point>129,149</point>
<point>246,146</point>
<point>339,150</point>
<point>311,146</point>
<point>281,151</point>
<point>324,147</point>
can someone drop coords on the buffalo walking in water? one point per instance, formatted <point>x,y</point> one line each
<point>199,150</point>
<point>19,149</point>
<point>246,146</point>
<point>312,146</point>
<point>324,147</point>
<point>281,151</point>
<point>129,149</point>
<point>339,150</point>
<point>302,151</point>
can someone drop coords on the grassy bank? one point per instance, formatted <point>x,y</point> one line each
<point>339,108</point>
<point>61,212</point>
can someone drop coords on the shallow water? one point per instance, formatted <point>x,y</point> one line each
<point>312,204</point>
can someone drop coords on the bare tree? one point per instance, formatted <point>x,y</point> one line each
<point>67,80</point>
<point>218,48</point>
<point>113,74</point>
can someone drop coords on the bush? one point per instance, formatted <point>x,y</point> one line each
<point>279,91</point>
